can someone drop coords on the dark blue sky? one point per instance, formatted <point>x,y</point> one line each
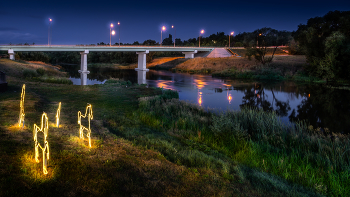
<point>87,22</point>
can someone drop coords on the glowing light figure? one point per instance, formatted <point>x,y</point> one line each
<point>21,105</point>
<point>88,114</point>
<point>46,151</point>
<point>58,114</point>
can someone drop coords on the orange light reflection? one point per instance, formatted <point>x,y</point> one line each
<point>200,99</point>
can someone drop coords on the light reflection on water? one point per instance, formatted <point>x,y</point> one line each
<point>77,81</point>
<point>320,106</point>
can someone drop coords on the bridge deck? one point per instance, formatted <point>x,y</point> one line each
<point>99,48</point>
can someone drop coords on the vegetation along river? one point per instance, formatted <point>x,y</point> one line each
<point>316,104</point>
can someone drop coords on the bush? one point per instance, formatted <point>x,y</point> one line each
<point>40,71</point>
<point>28,73</point>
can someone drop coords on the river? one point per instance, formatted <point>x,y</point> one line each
<point>314,103</point>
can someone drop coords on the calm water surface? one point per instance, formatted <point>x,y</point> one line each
<point>320,106</point>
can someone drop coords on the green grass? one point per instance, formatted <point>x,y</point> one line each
<point>297,153</point>
<point>145,142</point>
<point>261,74</point>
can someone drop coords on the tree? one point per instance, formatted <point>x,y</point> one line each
<point>149,42</point>
<point>264,37</point>
<point>168,41</point>
<point>136,43</point>
<point>325,41</point>
<point>178,41</point>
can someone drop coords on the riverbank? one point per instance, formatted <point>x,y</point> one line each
<point>283,67</point>
<point>134,150</point>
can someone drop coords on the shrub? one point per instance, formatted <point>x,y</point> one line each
<point>40,71</point>
<point>28,73</point>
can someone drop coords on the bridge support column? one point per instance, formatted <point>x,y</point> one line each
<point>83,67</point>
<point>190,54</point>
<point>12,54</point>
<point>142,61</point>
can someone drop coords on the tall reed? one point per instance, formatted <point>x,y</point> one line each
<point>297,152</point>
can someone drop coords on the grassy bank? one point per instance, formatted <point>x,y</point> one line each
<point>283,67</point>
<point>298,153</point>
<point>134,152</point>
<point>34,71</point>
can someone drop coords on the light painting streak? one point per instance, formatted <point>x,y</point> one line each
<point>58,114</point>
<point>82,128</point>
<point>21,105</point>
<point>46,151</point>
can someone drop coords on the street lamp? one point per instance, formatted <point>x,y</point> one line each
<point>174,33</point>
<point>161,32</point>
<point>202,32</point>
<point>229,36</point>
<point>119,32</point>
<point>49,33</point>
<point>110,34</point>
<point>257,39</point>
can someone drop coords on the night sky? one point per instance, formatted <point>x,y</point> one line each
<point>87,22</point>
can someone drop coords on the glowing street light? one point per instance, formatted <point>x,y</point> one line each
<point>49,33</point>
<point>257,40</point>
<point>202,32</point>
<point>119,32</point>
<point>161,32</point>
<point>174,33</point>
<point>110,35</point>
<point>229,36</point>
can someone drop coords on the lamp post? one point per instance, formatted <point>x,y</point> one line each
<point>110,35</point>
<point>113,33</point>
<point>257,40</point>
<point>229,37</point>
<point>49,33</point>
<point>161,32</point>
<point>119,32</point>
<point>174,33</point>
<point>202,32</point>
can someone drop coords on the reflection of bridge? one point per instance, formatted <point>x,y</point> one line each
<point>85,49</point>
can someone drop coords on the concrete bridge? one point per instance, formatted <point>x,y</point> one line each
<point>84,50</point>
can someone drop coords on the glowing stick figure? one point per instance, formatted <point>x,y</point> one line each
<point>58,114</point>
<point>82,128</point>
<point>21,105</point>
<point>45,129</point>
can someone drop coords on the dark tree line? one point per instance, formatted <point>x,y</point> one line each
<point>326,43</point>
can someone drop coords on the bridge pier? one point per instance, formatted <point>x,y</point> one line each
<point>142,61</point>
<point>190,54</point>
<point>12,54</point>
<point>83,67</point>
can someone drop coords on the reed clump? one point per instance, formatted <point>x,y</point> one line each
<point>297,152</point>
